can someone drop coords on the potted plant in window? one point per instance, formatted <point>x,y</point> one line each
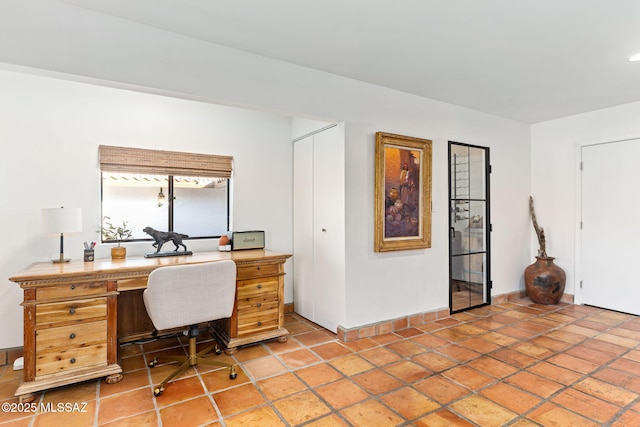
<point>119,234</point>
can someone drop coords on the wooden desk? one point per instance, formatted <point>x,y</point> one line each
<point>76,313</point>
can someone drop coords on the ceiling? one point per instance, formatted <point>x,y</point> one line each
<point>528,60</point>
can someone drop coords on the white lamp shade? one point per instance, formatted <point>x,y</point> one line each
<point>62,220</point>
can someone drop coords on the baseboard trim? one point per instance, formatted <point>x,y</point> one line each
<point>289,308</point>
<point>390,326</point>
<point>512,296</point>
<point>508,297</point>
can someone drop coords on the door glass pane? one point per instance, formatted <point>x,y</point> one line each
<point>459,173</point>
<point>468,281</point>
<point>476,167</point>
<point>456,238</point>
<point>475,226</point>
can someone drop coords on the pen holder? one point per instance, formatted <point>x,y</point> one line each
<point>89,255</point>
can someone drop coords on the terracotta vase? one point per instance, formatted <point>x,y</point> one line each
<point>118,252</point>
<point>544,281</point>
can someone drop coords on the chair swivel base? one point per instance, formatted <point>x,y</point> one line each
<point>192,359</point>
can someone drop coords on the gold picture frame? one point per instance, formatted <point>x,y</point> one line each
<point>402,193</point>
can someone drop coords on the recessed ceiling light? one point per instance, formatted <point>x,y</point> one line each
<point>635,57</point>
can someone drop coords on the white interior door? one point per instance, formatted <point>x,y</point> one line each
<point>319,229</point>
<point>303,278</point>
<point>611,226</point>
<point>329,228</point>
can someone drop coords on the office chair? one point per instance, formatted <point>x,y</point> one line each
<point>186,295</point>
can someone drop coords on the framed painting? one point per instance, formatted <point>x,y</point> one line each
<point>402,193</point>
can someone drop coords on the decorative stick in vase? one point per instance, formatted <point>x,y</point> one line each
<point>542,251</point>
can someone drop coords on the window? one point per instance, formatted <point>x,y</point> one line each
<point>168,191</point>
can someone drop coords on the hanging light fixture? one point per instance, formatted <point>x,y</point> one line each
<point>161,198</point>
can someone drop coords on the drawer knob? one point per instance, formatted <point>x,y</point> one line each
<point>72,310</point>
<point>73,360</point>
<point>72,336</point>
<point>258,268</point>
<point>259,304</point>
<point>73,287</point>
<point>259,285</point>
<point>259,323</point>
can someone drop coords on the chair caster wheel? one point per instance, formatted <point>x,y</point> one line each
<point>157,391</point>
<point>233,374</point>
<point>153,363</point>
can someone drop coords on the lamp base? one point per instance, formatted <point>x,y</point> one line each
<point>61,260</point>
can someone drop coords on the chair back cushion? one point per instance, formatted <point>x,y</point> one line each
<point>184,295</point>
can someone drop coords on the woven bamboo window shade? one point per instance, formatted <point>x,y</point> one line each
<point>138,160</point>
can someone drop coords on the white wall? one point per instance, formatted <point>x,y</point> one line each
<point>389,285</point>
<point>379,286</point>
<point>554,159</point>
<point>50,132</point>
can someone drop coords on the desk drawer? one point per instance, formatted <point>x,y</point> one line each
<point>71,290</point>
<point>250,272</point>
<point>251,322</point>
<point>71,311</point>
<point>263,301</point>
<point>71,347</point>
<point>256,287</point>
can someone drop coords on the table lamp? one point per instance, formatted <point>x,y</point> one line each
<point>61,220</point>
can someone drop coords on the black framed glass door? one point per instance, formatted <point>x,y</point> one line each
<point>469,227</point>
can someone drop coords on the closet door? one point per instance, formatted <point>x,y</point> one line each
<point>319,230</point>
<point>329,228</point>
<point>303,231</point>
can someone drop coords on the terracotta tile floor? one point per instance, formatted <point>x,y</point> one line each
<point>517,363</point>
